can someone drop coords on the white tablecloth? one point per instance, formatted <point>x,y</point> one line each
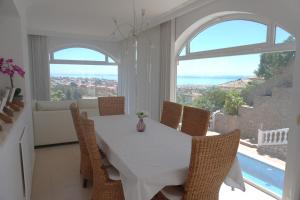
<point>151,160</point>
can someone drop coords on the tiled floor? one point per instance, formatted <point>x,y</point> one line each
<point>56,177</point>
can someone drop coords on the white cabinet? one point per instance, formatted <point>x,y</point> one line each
<point>25,149</point>
<point>16,159</point>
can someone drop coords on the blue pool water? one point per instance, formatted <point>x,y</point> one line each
<point>261,174</point>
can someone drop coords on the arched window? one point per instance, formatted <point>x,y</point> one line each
<point>236,37</point>
<point>79,72</point>
<point>221,68</point>
<point>229,50</point>
<point>229,34</point>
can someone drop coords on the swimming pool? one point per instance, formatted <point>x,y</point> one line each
<point>261,174</point>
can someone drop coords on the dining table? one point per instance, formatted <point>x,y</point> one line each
<point>150,160</point>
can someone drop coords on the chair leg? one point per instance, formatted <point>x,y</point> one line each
<point>85,181</point>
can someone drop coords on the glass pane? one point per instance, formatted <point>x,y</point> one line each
<point>183,52</point>
<point>79,54</point>
<point>110,60</point>
<point>282,36</point>
<point>227,86</point>
<point>214,71</point>
<point>82,81</point>
<point>229,34</point>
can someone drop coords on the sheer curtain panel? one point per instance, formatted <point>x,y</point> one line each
<point>39,65</point>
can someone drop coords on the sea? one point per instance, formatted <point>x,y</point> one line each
<point>181,80</point>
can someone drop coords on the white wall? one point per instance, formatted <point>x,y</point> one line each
<point>13,43</point>
<point>10,40</point>
<point>286,14</point>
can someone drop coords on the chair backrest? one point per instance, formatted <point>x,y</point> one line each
<point>76,121</point>
<point>171,114</point>
<point>111,105</point>
<point>211,160</point>
<point>100,176</point>
<point>195,121</point>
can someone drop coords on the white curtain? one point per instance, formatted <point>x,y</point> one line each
<point>39,65</point>
<point>127,75</point>
<point>167,59</point>
<point>141,86</point>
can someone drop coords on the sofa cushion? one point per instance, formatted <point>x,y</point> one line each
<point>88,103</point>
<point>53,106</point>
<point>91,112</point>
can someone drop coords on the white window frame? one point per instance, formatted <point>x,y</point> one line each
<point>83,62</point>
<point>80,62</point>
<point>266,47</point>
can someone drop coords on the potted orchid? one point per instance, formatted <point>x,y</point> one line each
<point>7,67</point>
<point>141,126</point>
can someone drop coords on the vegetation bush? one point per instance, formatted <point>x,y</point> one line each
<point>249,88</point>
<point>272,64</point>
<point>233,101</point>
<point>213,99</point>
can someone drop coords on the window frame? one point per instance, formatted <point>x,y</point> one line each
<point>268,46</point>
<point>51,60</point>
<point>81,62</point>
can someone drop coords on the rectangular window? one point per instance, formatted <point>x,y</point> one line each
<point>227,87</point>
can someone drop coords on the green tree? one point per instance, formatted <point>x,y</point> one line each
<point>249,88</point>
<point>73,84</point>
<point>57,95</point>
<point>272,64</point>
<point>68,94</point>
<point>181,99</point>
<point>213,99</point>
<point>204,103</point>
<point>233,101</point>
<point>76,94</point>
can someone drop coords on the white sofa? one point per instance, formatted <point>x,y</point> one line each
<point>53,121</point>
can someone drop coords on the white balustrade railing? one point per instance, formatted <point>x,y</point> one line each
<point>273,137</point>
<point>212,120</point>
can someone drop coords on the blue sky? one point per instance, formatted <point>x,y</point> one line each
<point>223,35</point>
<point>81,54</point>
<point>221,66</point>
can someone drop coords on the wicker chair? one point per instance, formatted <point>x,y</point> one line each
<point>85,163</point>
<point>171,114</point>
<point>104,188</point>
<point>211,160</point>
<point>111,105</point>
<point>195,121</point>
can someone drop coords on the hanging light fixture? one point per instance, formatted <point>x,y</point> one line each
<point>136,27</point>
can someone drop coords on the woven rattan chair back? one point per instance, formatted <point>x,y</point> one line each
<point>211,160</point>
<point>171,114</point>
<point>195,121</point>
<point>85,163</point>
<point>103,187</point>
<point>111,105</point>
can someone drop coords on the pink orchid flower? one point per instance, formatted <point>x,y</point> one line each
<point>9,60</point>
<point>9,68</point>
<point>19,70</point>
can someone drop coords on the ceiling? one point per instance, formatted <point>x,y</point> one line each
<point>94,18</point>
